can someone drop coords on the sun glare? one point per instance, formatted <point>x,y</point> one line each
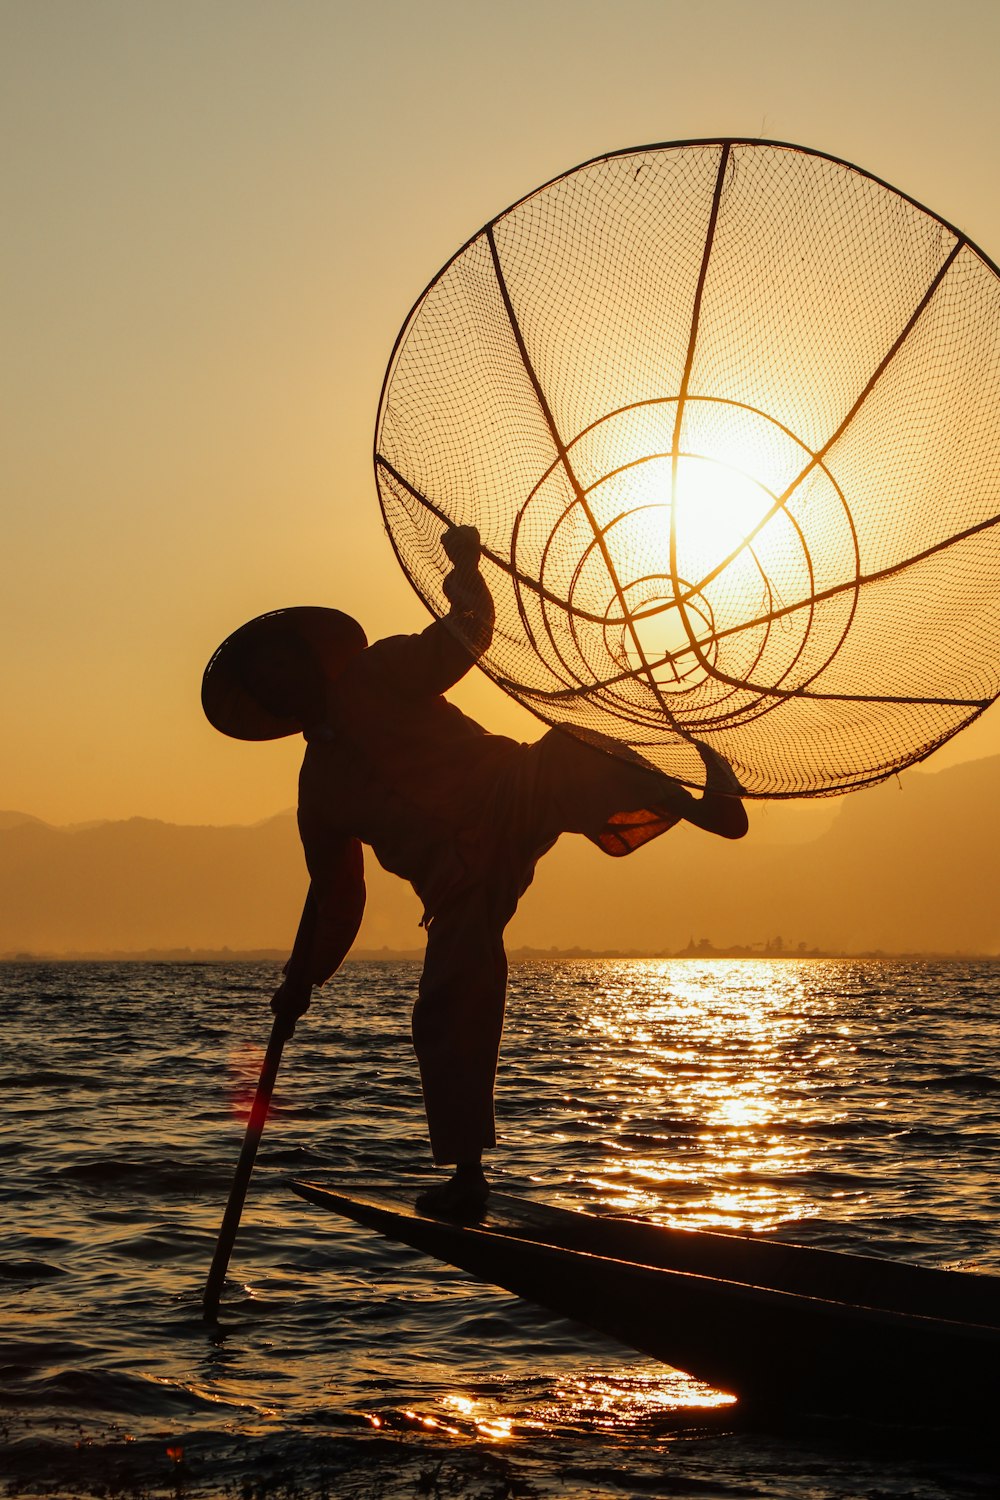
<point>713,523</point>
<point>718,506</point>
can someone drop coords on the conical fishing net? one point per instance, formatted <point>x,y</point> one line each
<point>726,415</point>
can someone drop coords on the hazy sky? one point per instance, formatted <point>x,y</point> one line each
<point>217,215</point>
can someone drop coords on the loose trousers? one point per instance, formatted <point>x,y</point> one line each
<point>557,785</point>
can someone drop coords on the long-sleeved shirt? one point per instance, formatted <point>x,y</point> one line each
<point>396,766</point>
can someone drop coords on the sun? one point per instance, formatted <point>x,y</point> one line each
<point>705,521</point>
<point>718,509</point>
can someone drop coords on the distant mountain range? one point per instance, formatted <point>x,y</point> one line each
<point>142,886</point>
<point>910,866</point>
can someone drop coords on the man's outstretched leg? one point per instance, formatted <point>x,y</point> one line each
<point>579,786</point>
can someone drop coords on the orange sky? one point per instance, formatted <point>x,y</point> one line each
<point>217,216</point>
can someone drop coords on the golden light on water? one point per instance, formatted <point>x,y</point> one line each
<point>623,1397</point>
<point>613,1400</point>
<point>699,1085</point>
<point>482,1417</point>
<point>496,1429</point>
<point>701,1070</point>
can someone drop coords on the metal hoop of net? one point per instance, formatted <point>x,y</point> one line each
<point>726,415</point>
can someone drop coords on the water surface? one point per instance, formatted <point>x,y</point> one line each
<point>854,1106</point>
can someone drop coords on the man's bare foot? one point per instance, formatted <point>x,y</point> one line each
<point>720,809</point>
<point>462,1198</point>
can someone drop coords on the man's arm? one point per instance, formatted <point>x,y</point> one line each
<point>337,869</point>
<point>472,615</point>
<point>330,923</point>
<point>433,661</point>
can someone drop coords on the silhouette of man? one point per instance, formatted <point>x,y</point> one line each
<point>462,814</point>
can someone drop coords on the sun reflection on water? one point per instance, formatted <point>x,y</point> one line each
<point>703,1074</point>
<point>611,1401</point>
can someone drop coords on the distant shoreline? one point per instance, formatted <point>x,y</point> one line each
<point>700,953</point>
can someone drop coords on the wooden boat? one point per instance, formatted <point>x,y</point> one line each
<point>781,1327</point>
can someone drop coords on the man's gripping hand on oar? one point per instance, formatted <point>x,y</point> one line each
<point>290,1001</point>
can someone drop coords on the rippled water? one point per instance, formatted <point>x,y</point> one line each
<point>850,1105</point>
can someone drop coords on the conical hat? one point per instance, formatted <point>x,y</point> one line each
<point>331,638</point>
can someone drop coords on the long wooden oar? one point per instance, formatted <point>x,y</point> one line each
<point>296,982</point>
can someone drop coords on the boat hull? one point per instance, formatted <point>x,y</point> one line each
<point>697,1302</point>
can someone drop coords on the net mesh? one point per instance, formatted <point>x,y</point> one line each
<point>726,417</point>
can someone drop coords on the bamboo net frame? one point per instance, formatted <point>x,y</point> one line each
<point>725,413</point>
